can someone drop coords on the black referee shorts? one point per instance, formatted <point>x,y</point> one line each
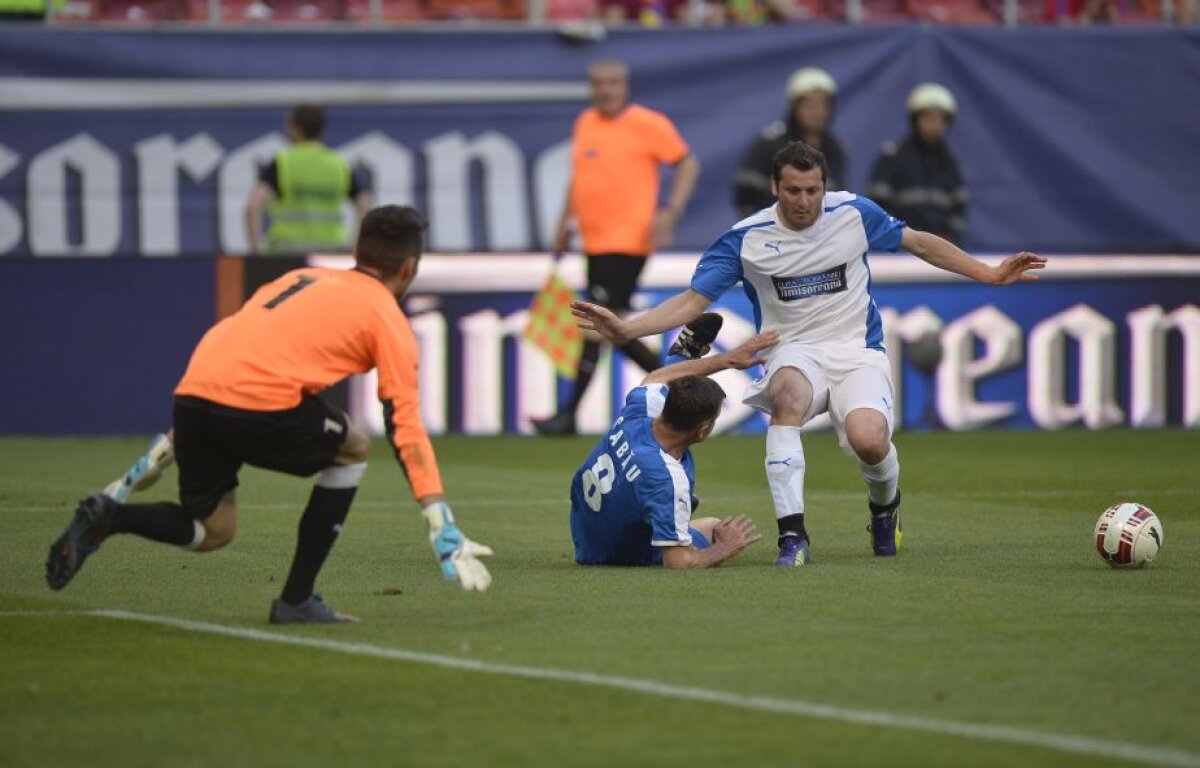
<point>213,441</point>
<point>612,278</point>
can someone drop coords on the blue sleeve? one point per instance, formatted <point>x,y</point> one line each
<point>667,514</point>
<point>720,267</point>
<point>667,505</point>
<point>883,231</point>
<point>635,404</point>
<point>644,401</point>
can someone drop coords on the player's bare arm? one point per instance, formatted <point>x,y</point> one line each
<point>255,205</point>
<point>562,230</point>
<point>943,254</point>
<point>363,202</point>
<point>745,355</point>
<point>730,537</point>
<point>680,309</point>
<point>686,173</point>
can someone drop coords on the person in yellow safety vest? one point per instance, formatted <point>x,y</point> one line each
<point>27,10</point>
<point>302,189</point>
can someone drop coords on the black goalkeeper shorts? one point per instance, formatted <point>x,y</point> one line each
<point>213,441</point>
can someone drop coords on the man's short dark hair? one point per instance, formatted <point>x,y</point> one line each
<point>389,236</point>
<point>309,120</point>
<point>801,157</point>
<point>691,401</point>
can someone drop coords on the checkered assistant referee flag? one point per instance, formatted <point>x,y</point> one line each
<point>551,326</point>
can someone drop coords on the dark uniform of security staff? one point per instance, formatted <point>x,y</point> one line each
<point>812,95</point>
<point>917,179</point>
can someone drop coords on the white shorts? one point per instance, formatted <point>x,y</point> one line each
<point>843,380</point>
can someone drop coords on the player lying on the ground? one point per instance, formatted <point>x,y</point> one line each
<point>632,499</point>
<point>804,267</point>
<point>249,396</point>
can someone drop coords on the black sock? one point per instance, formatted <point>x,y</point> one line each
<point>165,522</point>
<point>583,375</point>
<point>639,353</point>
<point>792,525</point>
<point>319,526</point>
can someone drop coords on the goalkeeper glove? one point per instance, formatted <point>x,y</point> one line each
<point>456,553</point>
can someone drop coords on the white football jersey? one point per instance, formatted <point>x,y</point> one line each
<point>812,285</point>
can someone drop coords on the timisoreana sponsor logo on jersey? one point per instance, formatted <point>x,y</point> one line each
<point>816,284</point>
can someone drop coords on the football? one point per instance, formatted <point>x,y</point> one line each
<point>1128,535</point>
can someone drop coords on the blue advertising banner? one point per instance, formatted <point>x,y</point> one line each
<point>116,143</point>
<point>1099,342</point>
<point>94,347</point>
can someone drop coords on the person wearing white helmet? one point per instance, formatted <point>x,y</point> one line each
<point>812,95</point>
<point>918,179</point>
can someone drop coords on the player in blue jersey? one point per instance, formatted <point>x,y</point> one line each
<point>803,265</point>
<point>632,499</point>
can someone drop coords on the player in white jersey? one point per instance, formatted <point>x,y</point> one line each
<point>803,264</point>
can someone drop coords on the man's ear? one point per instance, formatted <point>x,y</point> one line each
<point>408,270</point>
<point>704,430</point>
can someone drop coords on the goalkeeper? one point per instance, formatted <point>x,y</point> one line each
<point>250,396</point>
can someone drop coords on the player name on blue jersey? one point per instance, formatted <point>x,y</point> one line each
<point>623,452</point>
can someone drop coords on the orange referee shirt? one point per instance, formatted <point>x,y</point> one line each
<point>615,175</point>
<point>307,331</point>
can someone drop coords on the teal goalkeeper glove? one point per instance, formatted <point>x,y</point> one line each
<point>456,553</point>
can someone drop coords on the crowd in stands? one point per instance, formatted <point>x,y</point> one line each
<point>643,13</point>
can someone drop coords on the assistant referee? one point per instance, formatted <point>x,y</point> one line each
<point>618,150</point>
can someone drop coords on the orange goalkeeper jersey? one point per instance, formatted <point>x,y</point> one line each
<point>307,331</point>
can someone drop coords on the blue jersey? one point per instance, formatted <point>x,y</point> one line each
<point>630,497</point>
<point>812,285</point>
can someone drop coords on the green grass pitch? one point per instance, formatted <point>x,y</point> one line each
<point>996,613</point>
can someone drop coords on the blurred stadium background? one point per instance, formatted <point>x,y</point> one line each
<point>130,135</point>
<point>126,156</point>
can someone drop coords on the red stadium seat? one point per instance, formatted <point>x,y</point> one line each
<point>953,11</point>
<point>394,11</point>
<point>873,11</point>
<point>270,11</point>
<point>1028,11</point>
<point>128,11</point>
<point>481,10</point>
<point>570,10</point>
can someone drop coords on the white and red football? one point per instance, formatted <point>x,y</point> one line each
<point>1128,535</point>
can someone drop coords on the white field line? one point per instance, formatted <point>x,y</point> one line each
<point>1129,494</point>
<point>1080,745</point>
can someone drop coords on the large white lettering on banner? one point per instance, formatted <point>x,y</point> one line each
<point>481,390</point>
<point>160,160</point>
<point>960,369</point>
<point>1148,329</point>
<point>98,203</point>
<point>1096,337</point>
<point>65,218</point>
